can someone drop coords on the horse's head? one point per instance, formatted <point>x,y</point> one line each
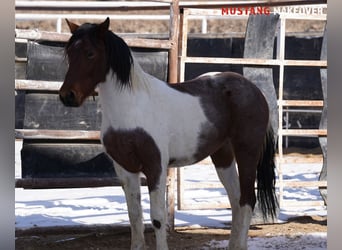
<point>86,54</point>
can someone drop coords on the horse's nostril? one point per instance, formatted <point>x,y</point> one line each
<point>69,99</point>
<point>70,96</point>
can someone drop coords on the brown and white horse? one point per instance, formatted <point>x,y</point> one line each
<point>148,125</point>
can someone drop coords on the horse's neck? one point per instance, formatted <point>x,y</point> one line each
<point>139,78</point>
<point>124,102</point>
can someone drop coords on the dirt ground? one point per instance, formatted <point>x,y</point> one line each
<point>184,238</point>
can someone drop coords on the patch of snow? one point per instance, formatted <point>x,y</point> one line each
<point>313,241</point>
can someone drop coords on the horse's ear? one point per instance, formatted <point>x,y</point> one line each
<point>104,26</point>
<point>72,26</point>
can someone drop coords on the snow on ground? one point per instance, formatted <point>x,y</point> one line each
<point>314,241</point>
<point>106,205</point>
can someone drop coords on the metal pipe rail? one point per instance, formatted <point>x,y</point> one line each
<point>143,5</point>
<point>281,62</point>
<point>121,5</point>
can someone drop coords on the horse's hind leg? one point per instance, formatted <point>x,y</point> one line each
<point>131,187</point>
<point>247,153</point>
<point>227,172</point>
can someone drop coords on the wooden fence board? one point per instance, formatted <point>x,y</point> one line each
<point>304,132</point>
<point>64,37</point>
<point>38,85</point>
<point>48,134</point>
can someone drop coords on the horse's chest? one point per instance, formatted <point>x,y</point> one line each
<point>133,149</point>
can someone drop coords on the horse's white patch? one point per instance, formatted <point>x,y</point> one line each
<point>131,182</point>
<point>230,180</point>
<point>172,118</point>
<point>240,227</point>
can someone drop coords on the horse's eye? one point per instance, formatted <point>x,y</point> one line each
<point>90,55</point>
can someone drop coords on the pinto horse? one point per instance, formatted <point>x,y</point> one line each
<point>149,125</point>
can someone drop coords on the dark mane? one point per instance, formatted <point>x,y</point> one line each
<point>118,54</point>
<point>119,57</point>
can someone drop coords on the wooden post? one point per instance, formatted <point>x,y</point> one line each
<point>173,54</point>
<point>182,47</point>
<point>173,78</point>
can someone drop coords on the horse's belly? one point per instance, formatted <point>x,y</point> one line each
<point>179,159</point>
<point>182,150</point>
<point>192,146</point>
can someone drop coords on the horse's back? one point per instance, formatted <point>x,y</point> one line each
<point>227,92</point>
<point>225,83</point>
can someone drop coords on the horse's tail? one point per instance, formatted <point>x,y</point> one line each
<point>266,177</point>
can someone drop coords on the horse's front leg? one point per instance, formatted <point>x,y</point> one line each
<point>157,188</point>
<point>131,187</point>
